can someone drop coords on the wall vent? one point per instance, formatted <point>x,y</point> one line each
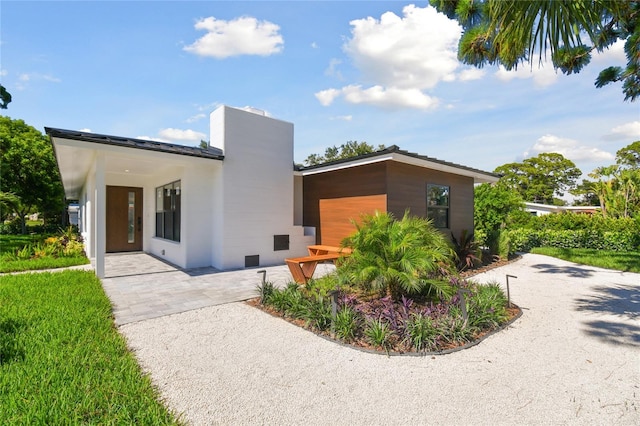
<point>280,242</point>
<point>251,261</point>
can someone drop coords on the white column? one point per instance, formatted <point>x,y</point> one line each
<point>100,209</point>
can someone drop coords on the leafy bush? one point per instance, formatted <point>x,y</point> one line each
<point>487,306</point>
<point>525,239</point>
<point>396,257</point>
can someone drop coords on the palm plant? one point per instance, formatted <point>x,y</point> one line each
<point>397,257</point>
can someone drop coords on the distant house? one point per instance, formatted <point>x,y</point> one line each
<point>241,202</point>
<point>537,209</point>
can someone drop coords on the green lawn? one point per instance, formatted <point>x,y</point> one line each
<point>62,360</point>
<point>620,261</point>
<point>9,244</point>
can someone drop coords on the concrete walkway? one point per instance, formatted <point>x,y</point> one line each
<point>142,287</point>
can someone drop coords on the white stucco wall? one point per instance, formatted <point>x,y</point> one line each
<point>256,192</point>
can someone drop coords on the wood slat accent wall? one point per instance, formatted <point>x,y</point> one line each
<point>407,188</point>
<point>358,181</point>
<point>336,215</point>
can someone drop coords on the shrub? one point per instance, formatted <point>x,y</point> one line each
<point>396,257</point>
<point>487,306</point>
<point>421,333</point>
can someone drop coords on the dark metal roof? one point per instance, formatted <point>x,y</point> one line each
<point>394,149</point>
<point>211,152</point>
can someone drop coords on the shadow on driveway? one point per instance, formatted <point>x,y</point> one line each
<point>571,271</point>
<point>622,301</point>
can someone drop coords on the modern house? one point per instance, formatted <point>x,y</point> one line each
<point>242,202</point>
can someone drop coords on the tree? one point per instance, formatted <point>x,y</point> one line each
<point>203,144</point>
<point>618,186</point>
<point>5,97</point>
<point>346,150</point>
<point>28,171</point>
<point>512,32</point>
<point>539,179</point>
<point>629,156</point>
<point>495,208</point>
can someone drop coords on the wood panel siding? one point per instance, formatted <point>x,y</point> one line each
<point>336,215</point>
<point>407,189</point>
<point>357,181</point>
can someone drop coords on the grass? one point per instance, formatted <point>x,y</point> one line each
<point>620,261</point>
<point>61,359</point>
<point>9,244</point>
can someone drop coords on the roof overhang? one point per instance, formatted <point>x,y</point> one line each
<point>477,175</point>
<point>76,157</point>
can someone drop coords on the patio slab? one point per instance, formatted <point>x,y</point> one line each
<point>142,287</point>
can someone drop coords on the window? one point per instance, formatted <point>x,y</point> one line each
<point>168,211</point>
<point>438,205</point>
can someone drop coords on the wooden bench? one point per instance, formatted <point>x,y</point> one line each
<point>324,249</point>
<point>302,268</point>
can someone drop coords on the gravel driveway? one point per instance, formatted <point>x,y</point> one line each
<point>572,358</point>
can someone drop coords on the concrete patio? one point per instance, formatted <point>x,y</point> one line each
<point>142,287</point>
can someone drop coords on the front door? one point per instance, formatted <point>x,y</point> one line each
<point>124,219</point>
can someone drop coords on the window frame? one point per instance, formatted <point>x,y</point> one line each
<point>438,211</point>
<point>168,200</point>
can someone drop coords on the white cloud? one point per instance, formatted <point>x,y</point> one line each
<point>314,45</point>
<point>181,135</point>
<point>3,73</point>
<point>542,76</point>
<point>149,138</point>
<point>389,97</point>
<point>195,118</point>
<point>629,130</point>
<point>241,36</point>
<point>342,117</point>
<point>569,148</point>
<point>85,130</point>
<point>471,74</point>
<point>416,51</point>
<point>332,69</point>
<point>326,97</point>
<point>614,54</point>
<point>400,57</point>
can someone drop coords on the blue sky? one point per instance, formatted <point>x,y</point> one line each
<point>384,72</point>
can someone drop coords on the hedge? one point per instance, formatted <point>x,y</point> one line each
<point>525,239</point>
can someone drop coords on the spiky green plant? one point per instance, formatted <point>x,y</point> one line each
<point>397,257</point>
<point>378,333</point>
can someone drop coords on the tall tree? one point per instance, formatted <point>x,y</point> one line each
<point>5,97</point>
<point>28,170</point>
<point>629,156</point>
<point>516,32</point>
<point>346,150</point>
<point>539,179</point>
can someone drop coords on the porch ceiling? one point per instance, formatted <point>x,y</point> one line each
<point>77,158</point>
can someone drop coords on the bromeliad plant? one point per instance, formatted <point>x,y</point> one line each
<point>397,257</point>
